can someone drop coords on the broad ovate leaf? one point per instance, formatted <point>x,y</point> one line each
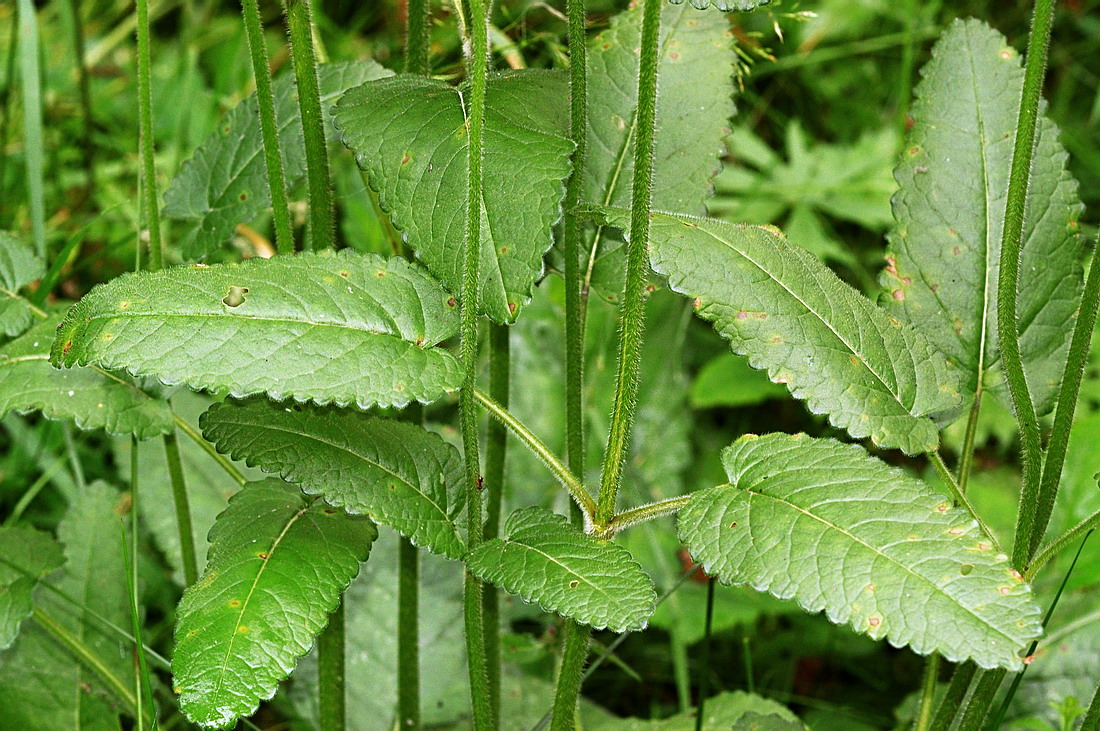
<point>409,134</point>
<point>546,560</point>
<point>225,183</point>
<point>330,328</point>
<point>398,473</point>
<point>944,255</point>
<point>26,555</point>
<point>19,266</point>
<point>92,398</point>
<point>695,69</point>
<point>277,565</point>
<point>782,307</point>
<point>838,530</point>
<point>736,710</point>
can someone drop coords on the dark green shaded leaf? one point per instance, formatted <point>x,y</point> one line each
<point>19,266</point>
<point>726,5</point>
<point>26,555</point>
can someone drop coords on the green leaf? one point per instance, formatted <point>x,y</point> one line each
<point>546,560</point>
<point>726,5</point>
<point>92,398</point>
<point>836,529</point>
<point>784,309</point>
<point>409,134</point>
<point>728,380</point>
<point>331,328</point>
<point>693,111</point>
<point>19,266</point>
<point>725,710</point>
<point>941,272</point>
<point>26,555</point>
<point>277,566</point>
<point>396,472</point>
<point>225,183</point>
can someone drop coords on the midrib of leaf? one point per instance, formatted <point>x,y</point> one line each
<point>988,227</point>
<point>322,440</point>
<point>851,349</point>
<point>873,549</point>
<point>244,605</point>
<point>568,570</point>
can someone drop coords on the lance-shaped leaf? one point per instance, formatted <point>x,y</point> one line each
<point>225,183</point>
<point>838,530</point>
<point>26,555</point>
<point>344,328</point>
<point>396,472</point>
<point>941,272</point>
<point>19,266</point>
<point>546,560</point>
<point>782,307</point>
<point>694,107</point>
<point>93,398</point>
<point>726,5</point>
<point>278,563</point>
<point>409,134</point>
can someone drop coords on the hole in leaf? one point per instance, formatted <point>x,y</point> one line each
<point>574,584</point>
<point>235,296</point>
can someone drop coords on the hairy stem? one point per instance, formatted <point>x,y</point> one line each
<point>634,516</point>
<point>1009,270</point>
<point>183,509</point>
<point>477,72</point>
<point>330,673</point>
<point>418,38</point>
<point>984,686</point>
<point>928,692</point>
<point>960,496</point>
<point>318,180</point>
<point>500,356</point>
<point>408,635</point>
<point>570,669</point>
<point>633,308</point>
<point>145,124</point>
<point>953,697</point>
<point>1084,528</point>
<point>269,127</point>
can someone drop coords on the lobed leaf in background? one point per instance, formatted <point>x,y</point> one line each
<point>278,564</point>
<point>840,531</point>
<point>545,559</point>
<point>409,134</point>
<point>19,266</point>
<point>26,555</point>
<point>92,398</point>
<point>330,328</point>
<point>398,473</point>
<point>225,182</point>
<point>694,107</point>
<point>782,307</point>
<point>736,710</point>
<point>941,272</point>
<point>43,684</point>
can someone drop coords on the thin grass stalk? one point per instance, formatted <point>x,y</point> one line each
<point>1079,346</point>
<point>966,458</point>
<point>269,127</point>
<point>704,660</point>
<point>408,635</point>
<point>570,675</point>
<point>145,124</point>
<point>477,72</point>
<point>87,144</point>
<point>496,444</point>
<point>33,142</point>
<point>322,228</point>
<point>632,326</point>
<point>953,697</point>
<point>1009,271</point>
<point>5,93</point>
<point>983,691</point>
<point>927,699</point>
<point>143,688</point>
<point>183,509</point>
<point>1052,549</point>
<point>330,673</point>
<point>418,37</point>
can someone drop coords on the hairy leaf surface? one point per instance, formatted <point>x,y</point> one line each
<point>941,272</point>
<point>343,328</point>
<point>278,563</point>
<point>840,531</point>
<point>784,309</point>
<point>409,134</point>
<point>26,555</point>
<point>546,560</point>
<point>19,266</point>
<point>225,183</point>
<point>396,472</point>
<point>94,399</point>
<point>726,5</point>
<point>695,72</point>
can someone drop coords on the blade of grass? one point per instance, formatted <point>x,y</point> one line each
<point>183,509</point>
<point>704,660</point>
<point>331,673</point>
<point>87,143</point>
<point>953,697</point>
<point>143,687</point>
<point>33,141</point>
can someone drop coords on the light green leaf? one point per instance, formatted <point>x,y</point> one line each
<point>225,183</point>
<point>941,272</point>
<point>94,399</point>
<point>19,266</point>
<point>409,134</point>
<point>726,710</point>
<point>784,309</point>
<point>546,560</point>
<point>726,5</point>
<point>840,531</point>
<point>330,328</point>
<point>728,380</point>
<point>277,566</point>
<point>396,472</point>
<point>695,69</point>
<point>26,555</point>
